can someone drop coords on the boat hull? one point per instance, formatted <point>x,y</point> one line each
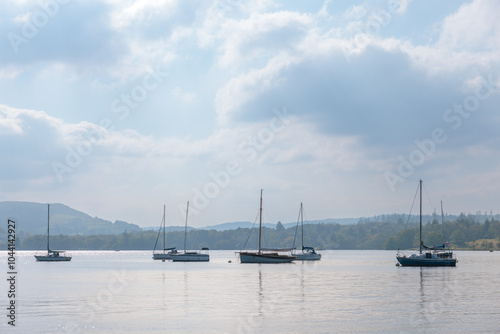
<point>162,256</point>
<point>45,258</point>
<point>190,257</point>
<point>265,258</point>
<point>307,257</point>
<point>418,262</point>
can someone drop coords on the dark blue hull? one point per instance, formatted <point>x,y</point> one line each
<point>409,262</point>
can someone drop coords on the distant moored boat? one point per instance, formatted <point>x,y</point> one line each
<point>266,255</point>
<point>437,256</point>
<point>308,253</point>
<point>166,253</point>
<point>190,256</point>
<point>52,256</point>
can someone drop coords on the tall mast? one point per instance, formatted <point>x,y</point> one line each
<point>442,219</point>
<point>420,216</point>
<point>302,220</point>
<point>48,229</point>
<point>260,219</point>
<point>186,226</point>
<point>442,224</point>
<point>164,228</point>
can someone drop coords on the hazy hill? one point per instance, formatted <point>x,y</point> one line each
<point>234,226</point>
<point>168,228</point>
<point>31,218</point>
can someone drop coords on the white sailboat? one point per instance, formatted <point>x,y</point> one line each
<point>264,255</point>
<point>308,253</point>
<point>166,253</point>
<point>52,256</point>
<point>190,256</point>
<point>437,256</point>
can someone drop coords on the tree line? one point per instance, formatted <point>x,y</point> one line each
<point>466,232</point>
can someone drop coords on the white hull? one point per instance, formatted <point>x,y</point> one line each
<point>50,258</point>
<point>307,257</point>
<point>190,257</point>
<point>247,257</point>
<point>163,256</point>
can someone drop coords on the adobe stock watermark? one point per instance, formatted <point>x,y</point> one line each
<point>121,107</point>
<point>377,20</point>
<point>99,302</point>
<point>454,118</point>
<point>247,150</point>
<point>434,309</point>
<point>252,322</point>
<point>35,22</point>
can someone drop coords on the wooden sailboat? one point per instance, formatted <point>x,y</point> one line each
<point>190,256</point>
<point>52,256</point>
<point>437,256</point>
<point>265,255</point>
<point>166,253</point>
<point>308,253</point>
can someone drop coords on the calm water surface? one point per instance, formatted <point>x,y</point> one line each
<point>345,292</point>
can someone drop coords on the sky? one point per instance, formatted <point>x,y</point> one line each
<point>117,107</point>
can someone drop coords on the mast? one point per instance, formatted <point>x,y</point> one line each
<point>48,229</point>
<point>260,219</point>
<point>421,216</point>
<point>186,226</point>
<point>302,220</point>
<point>442,219</point>
<point>163,228</point>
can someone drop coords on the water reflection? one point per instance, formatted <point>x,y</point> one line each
<point>436,294</point>
<point>346,292</point>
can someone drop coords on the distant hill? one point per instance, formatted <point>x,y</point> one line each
<point>31,218</point>
<point>168,228</point>
<point>234,226</point>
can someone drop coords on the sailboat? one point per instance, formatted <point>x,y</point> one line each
<point>265,255</point>
<point>189,256</point>
<point>52,256</point>
<point>308,253</point>
<point>437,256</point>
<point>167,252</point>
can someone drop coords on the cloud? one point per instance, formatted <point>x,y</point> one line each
<point>388,89</point>
<point>474,27</point>
<point>73,33</point>
<point>260,35</point>
<point>356,98</point>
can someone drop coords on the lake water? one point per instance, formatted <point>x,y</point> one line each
<point>345,292</point>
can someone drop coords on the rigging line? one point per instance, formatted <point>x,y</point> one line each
<point>411,209</point>
<point>159,231</point>
<point>428,198</point>
<point>304,215</point>
<point>267,216</point>
<point>42,239</point>
<point>249,234</point>
<point>296,228</point>
<point>442,223</point>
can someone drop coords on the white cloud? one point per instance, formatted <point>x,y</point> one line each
<point>468,38</point>
<point>357,100</point>
<point>259,35</point>
<point>355,13</point>
<point>243,89</point>
<point>474,27</point>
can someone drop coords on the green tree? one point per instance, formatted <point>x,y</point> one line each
<point>280,227</point>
